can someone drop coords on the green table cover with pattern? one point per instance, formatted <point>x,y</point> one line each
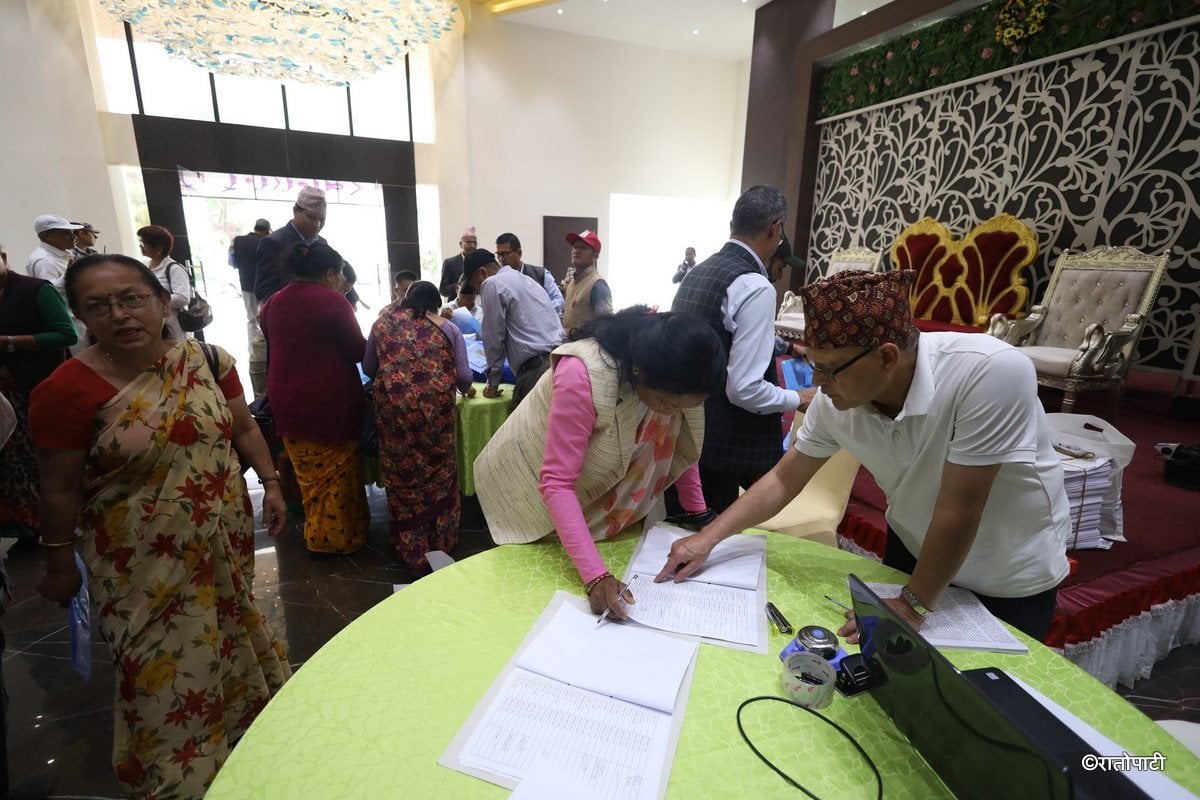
<point>475,420</point>
<point>373,710</point>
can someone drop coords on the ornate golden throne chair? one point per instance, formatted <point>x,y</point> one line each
<point>1083,334</point>
<point>960,284</point>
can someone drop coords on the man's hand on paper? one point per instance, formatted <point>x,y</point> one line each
<point>849,631</point>
<point>613,595</point>
<point>687,555</point>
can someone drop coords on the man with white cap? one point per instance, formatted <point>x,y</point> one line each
<point>950,427</point>
<point>308,218</point>
<point>588,294</point>
<point>452,267</point>
<point>50,259</point>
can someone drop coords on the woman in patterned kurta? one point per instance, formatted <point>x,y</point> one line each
<point>136,440</point>
<point>418,359</point>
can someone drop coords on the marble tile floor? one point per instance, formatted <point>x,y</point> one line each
<point>59,723</point>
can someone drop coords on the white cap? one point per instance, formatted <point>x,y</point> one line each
<point>53,222</point>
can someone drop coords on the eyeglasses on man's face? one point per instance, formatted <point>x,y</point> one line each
<point>503,254</point>
<point>830,373</point>
<point>128,302</point>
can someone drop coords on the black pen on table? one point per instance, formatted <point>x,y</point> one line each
<point>604,616</point>
<point>839,605</point>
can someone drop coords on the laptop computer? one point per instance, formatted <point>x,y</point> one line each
<point>982,733</point>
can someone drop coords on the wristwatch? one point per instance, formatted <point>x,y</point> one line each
<point>12,345</point>
<point>913,601</point>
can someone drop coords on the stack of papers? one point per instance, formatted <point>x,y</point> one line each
<point>1087,481</point>
<point>587,710</point>
<point>960,622</point>
<point>723,602</point>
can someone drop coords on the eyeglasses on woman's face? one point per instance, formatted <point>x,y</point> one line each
<point>103,308</point>
<point>830,373</point>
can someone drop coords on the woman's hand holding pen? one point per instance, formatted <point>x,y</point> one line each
<point>611,595</point>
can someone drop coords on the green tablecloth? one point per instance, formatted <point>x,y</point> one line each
<point>475,420</point>
<point>371,712</point>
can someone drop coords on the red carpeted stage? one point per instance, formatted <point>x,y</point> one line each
<point>1122,609</point>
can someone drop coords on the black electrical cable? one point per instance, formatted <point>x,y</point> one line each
<point>781,773</point>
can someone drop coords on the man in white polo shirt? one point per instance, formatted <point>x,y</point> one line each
<point>950,426</point>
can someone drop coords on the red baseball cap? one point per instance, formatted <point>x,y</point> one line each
<point>587,237</point>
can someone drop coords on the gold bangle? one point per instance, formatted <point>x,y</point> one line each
<point>69,543</point>
<point>274,477</point>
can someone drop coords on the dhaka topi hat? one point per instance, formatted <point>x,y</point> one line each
<point>311,199</point>
<point>857,309</point>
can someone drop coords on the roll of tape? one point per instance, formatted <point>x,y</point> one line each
<point>808,679</point>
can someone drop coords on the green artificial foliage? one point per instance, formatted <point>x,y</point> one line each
<point>989,38</point>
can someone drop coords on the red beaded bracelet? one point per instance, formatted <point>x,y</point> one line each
<point>587,587</point>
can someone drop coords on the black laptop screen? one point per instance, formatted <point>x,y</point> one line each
<point>973,747</point>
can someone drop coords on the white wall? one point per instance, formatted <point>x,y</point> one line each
<point>51,150</point>
<point>535,123</point>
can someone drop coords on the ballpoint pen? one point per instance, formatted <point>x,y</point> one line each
<point>836,603</point>
<point>604,616</point>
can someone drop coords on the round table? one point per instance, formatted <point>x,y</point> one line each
<point>476,419</point>
<point>371,712</point>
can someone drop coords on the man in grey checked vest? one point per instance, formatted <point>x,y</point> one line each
<point>743,430</point>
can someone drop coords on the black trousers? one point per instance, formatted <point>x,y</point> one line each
<point>720,489</point>
<point>528,374</point>
<point>1030,615</point>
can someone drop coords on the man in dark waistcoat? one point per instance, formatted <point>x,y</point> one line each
<point>743,429</point>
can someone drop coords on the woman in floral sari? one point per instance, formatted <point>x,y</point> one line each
<point>136,439</point>
<point>418,359</point>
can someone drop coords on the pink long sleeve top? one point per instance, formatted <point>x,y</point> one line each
<point>568,431</point>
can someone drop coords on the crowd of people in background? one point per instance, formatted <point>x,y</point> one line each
<point>129,453</point>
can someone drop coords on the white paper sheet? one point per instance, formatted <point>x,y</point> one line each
<point>621,661</point>
<point>624,750</point>
<point>960,622</point>
<point>549,780</point>
<point>736,561</point>
<point>620,745</point>
<point>697,609</point>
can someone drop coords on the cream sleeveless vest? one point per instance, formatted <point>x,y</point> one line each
<point>508,469</point>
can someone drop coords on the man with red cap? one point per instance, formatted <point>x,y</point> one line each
<point>950,426</point>
<point>588,294</point>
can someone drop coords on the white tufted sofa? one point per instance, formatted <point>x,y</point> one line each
<point>1083,334</point>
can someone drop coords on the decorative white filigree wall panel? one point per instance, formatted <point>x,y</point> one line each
<point>1098,149</point>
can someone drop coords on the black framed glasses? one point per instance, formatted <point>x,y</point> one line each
<point>504,253</point>
<point>129,302</point>
<point>831,374</point>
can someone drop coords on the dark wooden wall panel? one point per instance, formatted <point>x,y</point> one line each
<point>791,39</point>
<point>166,145</point>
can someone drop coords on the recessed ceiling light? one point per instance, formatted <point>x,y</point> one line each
<point>695,31</point>
<point>559,11</point>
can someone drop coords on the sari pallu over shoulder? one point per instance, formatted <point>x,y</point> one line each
<point>168,542</point>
